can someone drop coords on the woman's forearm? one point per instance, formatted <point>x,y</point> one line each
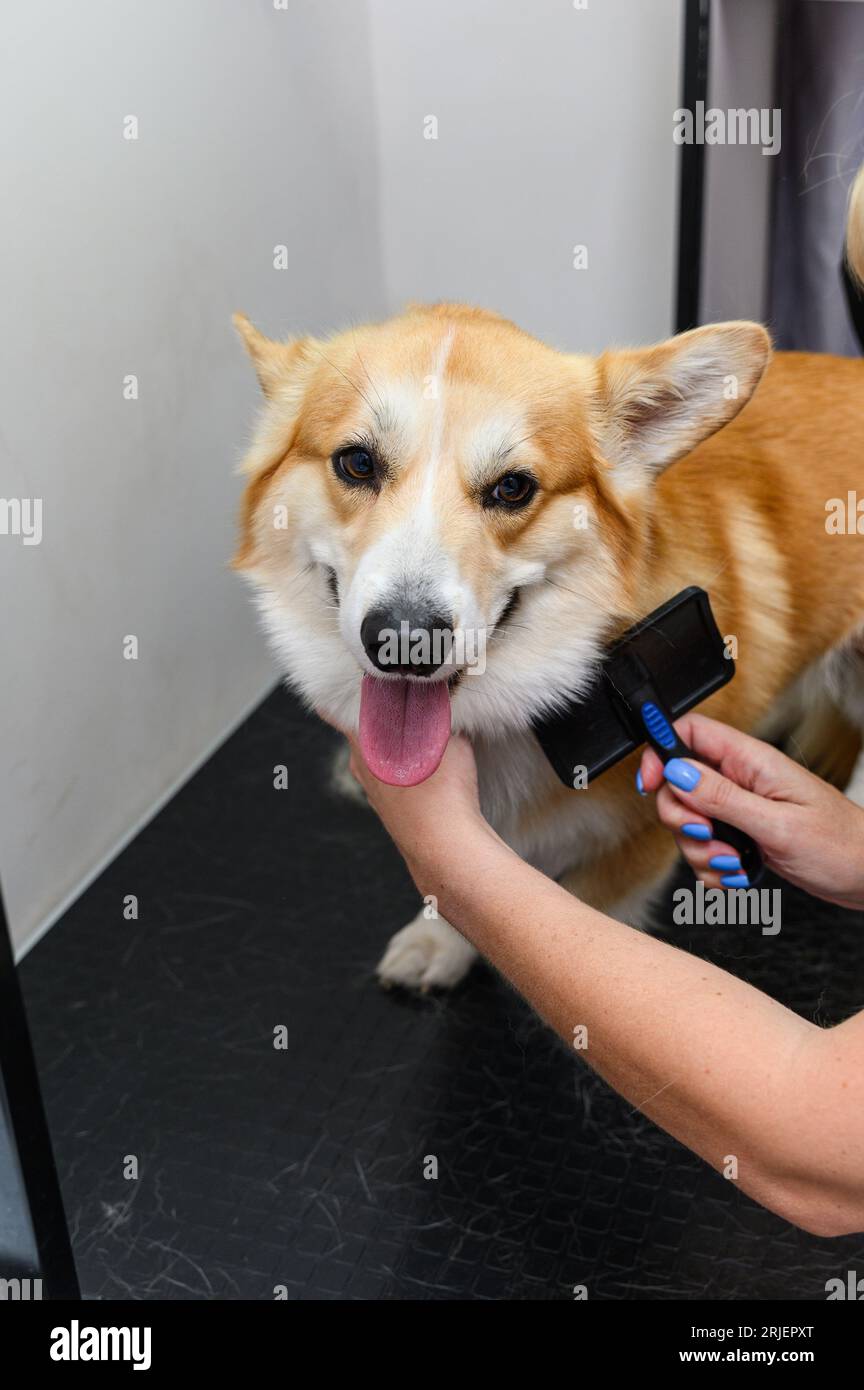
<point>768,1099</point>
<point>725,1069</point>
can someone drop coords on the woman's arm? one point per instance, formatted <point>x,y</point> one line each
<point>725,1069</point>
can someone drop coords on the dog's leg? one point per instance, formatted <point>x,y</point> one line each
<point>622,881</point>
<point>844,676</point>
<point>342,780</point>
<point>427,954</point>
<point>855,786</point>
<point>430,954</point>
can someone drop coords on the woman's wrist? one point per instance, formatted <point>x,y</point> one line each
<point>452,863</point>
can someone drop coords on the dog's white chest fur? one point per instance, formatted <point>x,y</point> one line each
<point>515,783</point>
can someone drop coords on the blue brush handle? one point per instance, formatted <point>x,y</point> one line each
<point>667,745</point>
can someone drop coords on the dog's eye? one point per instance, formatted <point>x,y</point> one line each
<point>513,490</point>
<point>354,465</point>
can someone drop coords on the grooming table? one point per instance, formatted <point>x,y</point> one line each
<point>301,1169</point>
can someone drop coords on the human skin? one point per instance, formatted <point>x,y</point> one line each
<point>809,833</point>
<point>722,1067</point>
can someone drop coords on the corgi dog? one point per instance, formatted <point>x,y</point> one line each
<point>444,474</point>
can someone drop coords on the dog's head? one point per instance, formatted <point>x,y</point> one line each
<point>444,515</point>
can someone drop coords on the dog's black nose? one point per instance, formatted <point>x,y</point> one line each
<point>406,642</point>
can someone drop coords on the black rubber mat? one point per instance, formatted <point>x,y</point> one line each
<point>302,1168</point>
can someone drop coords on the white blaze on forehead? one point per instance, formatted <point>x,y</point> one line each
<point>428,431</point>
<point>436,442</point>
<point>409,562</point>
<point>426,428</point>
<point>413,553</point>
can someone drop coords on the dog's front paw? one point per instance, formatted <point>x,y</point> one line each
<point>427,954</point>
<point>342,780</point>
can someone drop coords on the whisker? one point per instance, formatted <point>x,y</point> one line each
<point>308,570</point>
<point>523,440</point>
<point>346,378</point>
<point>368,377</point>
<point>304,569</point>
<point>557,584</point>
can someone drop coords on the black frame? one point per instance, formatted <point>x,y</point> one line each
<point>30,1136</point>
<point>691,186</point>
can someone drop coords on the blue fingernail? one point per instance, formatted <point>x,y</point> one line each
<point>726,861</point>
<point>682,775</point>
<point>735,881</point>
<point>640,785</point>
<point>696,832</point>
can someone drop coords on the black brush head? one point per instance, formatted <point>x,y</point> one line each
<point>678,648</point>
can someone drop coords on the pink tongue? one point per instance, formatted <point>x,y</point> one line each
<point>404,728</point>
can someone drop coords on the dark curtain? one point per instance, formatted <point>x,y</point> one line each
<point>821,97</point>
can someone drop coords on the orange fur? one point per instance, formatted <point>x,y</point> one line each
<point>741,511</point>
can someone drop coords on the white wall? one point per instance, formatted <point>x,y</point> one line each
<point>257,127</point>
<point>128,257</point>
<point>554,128</point>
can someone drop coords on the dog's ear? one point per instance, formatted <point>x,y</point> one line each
<point>653,405</point>
<point>275,363</point>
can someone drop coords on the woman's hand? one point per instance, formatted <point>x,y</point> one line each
<point>808,832</point>
<point>433,822</point>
